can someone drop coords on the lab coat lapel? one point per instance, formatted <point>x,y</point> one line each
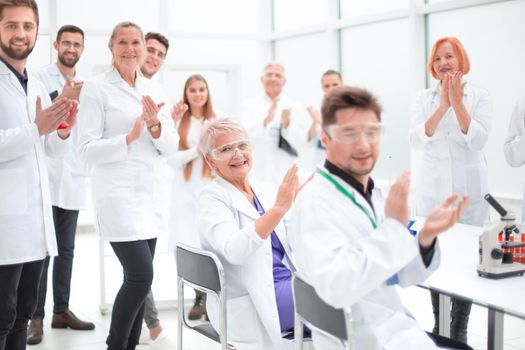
<point>115,78</point>
<point>358,197</point>
<point>7,74</point>
<point>239,202</point>
<point>56,72</point>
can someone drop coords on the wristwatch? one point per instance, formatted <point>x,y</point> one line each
<point>154,127</point>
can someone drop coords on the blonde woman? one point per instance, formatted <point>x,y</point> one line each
<point>191,172</point>
<point>123,128</point>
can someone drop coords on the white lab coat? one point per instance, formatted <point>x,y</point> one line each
<point>182,226</point>
<point>123,179</point>
<point>225,221</point>
<point>67,180</point>
<point>338,252</point>
<point>452,162</point>
<point>270,162</point>
<point>515,143</point>
<point>27,231</point>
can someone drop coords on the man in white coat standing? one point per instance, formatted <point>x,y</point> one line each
<point>277,126</point>
<point>28,132</point>
<point>67,185</point>
<point>157,46</point>
<point>515,144</point>
<point>351,245</point>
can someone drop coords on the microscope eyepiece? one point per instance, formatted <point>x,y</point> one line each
<point>494,203</point>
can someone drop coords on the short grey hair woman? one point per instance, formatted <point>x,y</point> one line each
<point>241,221</point>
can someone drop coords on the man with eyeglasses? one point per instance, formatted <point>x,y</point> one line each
<point>157,46</point>
<point>352,246</point>
<point>277,126</point>
<point>67,183</point>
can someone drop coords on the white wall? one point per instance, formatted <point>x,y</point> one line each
<point>379,47</point>
<point>374,43</point>
<point>222,39</point>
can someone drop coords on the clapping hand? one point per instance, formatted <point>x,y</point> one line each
<point>396,206</point>
<point>65,128</point>
<point>61,110</point>
<point>285,117</point>
<point>134,134</point>
<point>442,218</point>
<point>288,189</point>
<point>455,90</point>
<point>271,112</point>
<point>72,89</point>
<point>444,102</point>
<point>150,110</point>
<point>315,115</point>
<point>178,110</point>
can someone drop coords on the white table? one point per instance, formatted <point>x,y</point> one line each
<point>457,277</point>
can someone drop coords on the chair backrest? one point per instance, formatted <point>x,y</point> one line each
<point>315,312</point>
<point>199,267</point>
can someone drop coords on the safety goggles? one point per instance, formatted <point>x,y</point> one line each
<point>227,151</point>
<point>352,133</point>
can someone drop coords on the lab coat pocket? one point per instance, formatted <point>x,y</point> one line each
<point>13,191</point>
<point>242,320</point>
<point>401,332</point>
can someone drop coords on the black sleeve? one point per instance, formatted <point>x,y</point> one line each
<point>53,95</point>
<point>427,253</point>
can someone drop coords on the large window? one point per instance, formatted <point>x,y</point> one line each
<point>375,57</point>
<point>296,14</point>
<point>305,59</point>
<point>357,8</point>
<point>198,16</point>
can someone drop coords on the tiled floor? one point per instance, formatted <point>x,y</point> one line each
<point>85,301</point>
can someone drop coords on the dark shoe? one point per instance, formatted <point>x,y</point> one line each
<point>199,307</point>
<point>459,324</point>
<point>35,332</point>
<point>68,319</point>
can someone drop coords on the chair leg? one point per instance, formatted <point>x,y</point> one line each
<point>180,313</point>
<point>298,333</point>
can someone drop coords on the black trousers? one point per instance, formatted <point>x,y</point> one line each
<point>136,258</point>
<point>65,228</point>
<point>18,295</point>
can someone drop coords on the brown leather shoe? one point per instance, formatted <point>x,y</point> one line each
<point>68,319</point>
<point>35,332</point>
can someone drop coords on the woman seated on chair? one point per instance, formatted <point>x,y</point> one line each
<point>242,222</point>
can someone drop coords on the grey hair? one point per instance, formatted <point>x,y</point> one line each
<point>217,126</point>
<point>274,64</point>
<point>125,24</point>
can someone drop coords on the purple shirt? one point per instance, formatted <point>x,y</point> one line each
<point>282,278</point>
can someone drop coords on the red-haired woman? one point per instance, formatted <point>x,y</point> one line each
<point>191,172</point>
<point>450,125</point>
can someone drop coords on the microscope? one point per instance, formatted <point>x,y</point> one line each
<point>496,246</point>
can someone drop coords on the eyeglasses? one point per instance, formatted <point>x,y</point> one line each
<point>273,75</point>
<point>351,133</point>
<point>228,150</point>
<point>159,54</point>
<point>67,44</point>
